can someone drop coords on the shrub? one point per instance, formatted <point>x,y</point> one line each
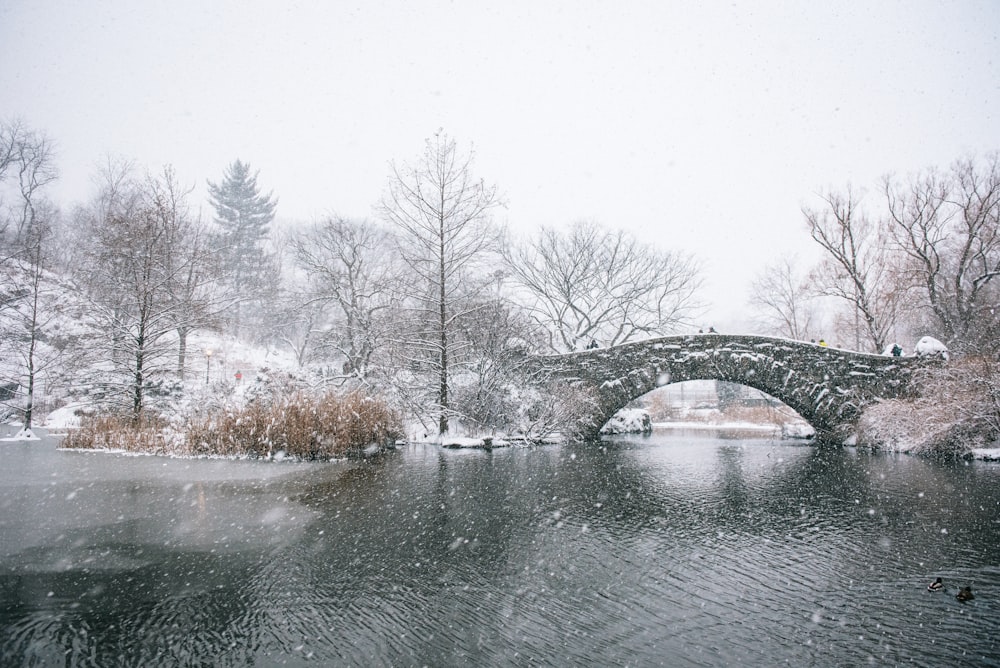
<point>556,410</point>
<point>957,410</point>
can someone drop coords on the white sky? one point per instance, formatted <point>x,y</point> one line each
<point>701,127</point>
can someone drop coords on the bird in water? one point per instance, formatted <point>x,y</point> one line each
<point>965,594</point>
<point>937,585</point>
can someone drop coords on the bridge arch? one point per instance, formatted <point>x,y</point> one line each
<point>828,387</point>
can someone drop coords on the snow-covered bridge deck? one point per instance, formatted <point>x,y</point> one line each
<point>828,387</point>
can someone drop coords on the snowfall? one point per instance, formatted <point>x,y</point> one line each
<point>231,367</point>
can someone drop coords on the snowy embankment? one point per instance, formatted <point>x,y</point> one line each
<point>987,454</point>
<point>708,426</point>
<point>56,423</point>
<point>482,442</point>
<point>794,430</point>
<point>950,417</point>
<point>22,434</point>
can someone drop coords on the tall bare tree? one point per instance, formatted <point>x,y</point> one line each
<point>351,266</point>
<point>27,166</point>
<point>442,214</point>
<point>138,256</point>
<point>784,300</point>
<point>192,289</point>
<point>594,284</point>
<point>857,267</point>
<point>31,326</point>
<point>197,303</point>
<point>947,224</point>
<point>31,300</point>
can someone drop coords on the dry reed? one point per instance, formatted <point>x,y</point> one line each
<point>300,426</point>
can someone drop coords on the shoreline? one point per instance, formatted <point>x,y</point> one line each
<point>459,442</point>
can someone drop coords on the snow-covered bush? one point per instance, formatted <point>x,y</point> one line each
<point>958,410</point>
<point>272,385</point>
<point>553,410</point>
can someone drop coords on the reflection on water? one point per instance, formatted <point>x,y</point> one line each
<point>668,550</point>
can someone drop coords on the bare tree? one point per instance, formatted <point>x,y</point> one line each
<point>13,135</point>
<point>9,137</point>
<point>442,214</point>
<point>34,316</point>
<point>948,227</point>
<point>137,258</point>
<point>197,302</point>
<point>857,267</point>
<point>784,300</point>
<point>27,164</point>
<point>593,284</point>
<point>192,289</point>
<point>351,266</point>
<point>497,335</point>
<point>34,333</point>
<point>306,329</point>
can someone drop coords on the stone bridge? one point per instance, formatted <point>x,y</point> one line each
<point>828,387</point>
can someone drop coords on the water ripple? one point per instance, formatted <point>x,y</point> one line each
<point>637,554</point>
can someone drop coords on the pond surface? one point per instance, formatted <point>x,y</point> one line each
<point>681,549</point>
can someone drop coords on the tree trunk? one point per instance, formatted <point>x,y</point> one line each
<point>443,322</point>
<point>29,408</point>
<point>182,333</point>
<point>33,338</point>
<point>137,379</point>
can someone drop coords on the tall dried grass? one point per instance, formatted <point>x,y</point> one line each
<point>302,426</point>
<point>150,434</point>
<point>324,427</point>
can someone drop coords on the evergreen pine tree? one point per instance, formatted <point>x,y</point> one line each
<point>244,216</point>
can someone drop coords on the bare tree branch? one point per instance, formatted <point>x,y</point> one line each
<point>592,284</point>
<point>442,214</point>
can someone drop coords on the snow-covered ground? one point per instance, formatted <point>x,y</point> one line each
<point>988,454</point>
<point>22,434</point>
<point>708,426</point>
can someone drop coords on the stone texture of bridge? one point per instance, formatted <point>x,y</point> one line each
<point>828,387</point>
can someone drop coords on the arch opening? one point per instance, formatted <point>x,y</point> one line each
<point>709,404</point>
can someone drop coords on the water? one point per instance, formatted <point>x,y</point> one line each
<point>679,550</point>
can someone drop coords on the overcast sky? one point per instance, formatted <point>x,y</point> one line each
<point>704,128</point>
